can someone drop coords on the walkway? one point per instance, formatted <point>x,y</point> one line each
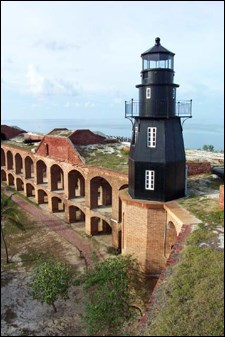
<point>58,226</point>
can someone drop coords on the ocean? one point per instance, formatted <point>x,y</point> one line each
<point>195,135</point>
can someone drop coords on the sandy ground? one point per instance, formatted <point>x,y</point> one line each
<point>21,315</point>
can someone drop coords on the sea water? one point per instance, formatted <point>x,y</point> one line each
<point>195,135</point>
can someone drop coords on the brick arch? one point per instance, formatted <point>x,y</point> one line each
<point>9,160</point>
<point>57,205</point>
<point>100,226</point>
<point>18,164</point>
<point>57,178</point>
<point>3,161</point>
<point>30,190</point>
<point>76,214</point>
<point>76,184</point>
<point>29,167</point>
<point>41,171</point>
<point>42,196</point>
<point>10,179</point>
<point>170,237</point>
<point>3,175</point>
<point>101,192</point>
<point>120,203</point>
<point>19,185</point>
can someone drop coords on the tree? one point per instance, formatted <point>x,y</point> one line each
<point>51,280</point>
<point>111,290</point>
<point>9,215</point>
<point>209,148</point>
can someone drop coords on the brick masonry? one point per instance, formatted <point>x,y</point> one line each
<point>221,197</point>
<point>52,173</point>
<point>8,132</point>
<point>198,167</point>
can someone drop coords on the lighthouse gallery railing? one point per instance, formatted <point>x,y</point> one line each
<point>183,108</point>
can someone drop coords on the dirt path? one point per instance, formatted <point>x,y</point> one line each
<point>21,315</point>
<point>59,227</point>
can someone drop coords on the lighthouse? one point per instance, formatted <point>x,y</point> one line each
<point>157,163</point>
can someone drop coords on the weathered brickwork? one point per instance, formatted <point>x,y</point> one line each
<point>198,168</point>
<point>221,197</point>
<point>8,132</point>
<point>56,177</point>
<point>86,137</point>
<point>84,194</point>
<point>172,259</point>
<point>59,148</point>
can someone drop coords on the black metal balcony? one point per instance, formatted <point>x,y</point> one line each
<point>183,109</point>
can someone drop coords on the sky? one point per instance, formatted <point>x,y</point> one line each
<point>73,59</point>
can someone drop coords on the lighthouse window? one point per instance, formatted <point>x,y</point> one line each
<point>148,93</point>
<point>149,180</point>
<point>151,137</point>
<point>174,93</point>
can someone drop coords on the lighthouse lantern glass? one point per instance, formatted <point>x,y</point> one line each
<point>157,60</point>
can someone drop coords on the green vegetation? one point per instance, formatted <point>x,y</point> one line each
<point>117,161</point>
<point>209,148</point>
<point>9,217</point>
<point>113,294</point>
<point>51,280</point>
<point>192,299</point>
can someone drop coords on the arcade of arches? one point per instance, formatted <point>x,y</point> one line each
<point>96,199</point>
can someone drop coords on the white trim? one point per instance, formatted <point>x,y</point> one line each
<point>151,136</point>
<point>148,93</point>
<point>149,180</point>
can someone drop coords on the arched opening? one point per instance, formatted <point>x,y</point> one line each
<point>2,157</point>
<point>29,168</point>
<point>9,160</point>
<point>100,227</point>
<point>18,164</point>
<point>19,185</point>
<point>76,215</point>
<point>57,205</point>
<point>41,172</point>
<point>76,185</point>
<point>3,175</point>
<point>57,178</point>
<point>30,191</point>
<point>170,237</point>
<point>10,180</point>
<point>101,193</point>
<point>42,197</point>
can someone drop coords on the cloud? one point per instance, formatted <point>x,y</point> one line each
<point>42,86</point>
<point>56,46</point>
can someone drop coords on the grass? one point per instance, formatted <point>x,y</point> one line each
<point>191,302</point>
<point>114,161</point>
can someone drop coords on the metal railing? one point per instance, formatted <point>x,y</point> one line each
<point>158,108</point>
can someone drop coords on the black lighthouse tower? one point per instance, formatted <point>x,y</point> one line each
<point>157,164</point>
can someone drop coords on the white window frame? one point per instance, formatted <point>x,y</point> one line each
<point>135,133</point>
<point>151,136</point>
<point>148,93</point>
<point>174,93</point>
<point>149,180</point>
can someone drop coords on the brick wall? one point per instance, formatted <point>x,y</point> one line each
<point>143,225</point>
<point>172,259</point>
<point>9,132</point>
<point>85,137</point>
<point>221,197</point>
<point>59,148</point>
<point>198,167</point>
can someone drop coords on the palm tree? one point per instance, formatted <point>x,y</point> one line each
<point>9,215</point>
